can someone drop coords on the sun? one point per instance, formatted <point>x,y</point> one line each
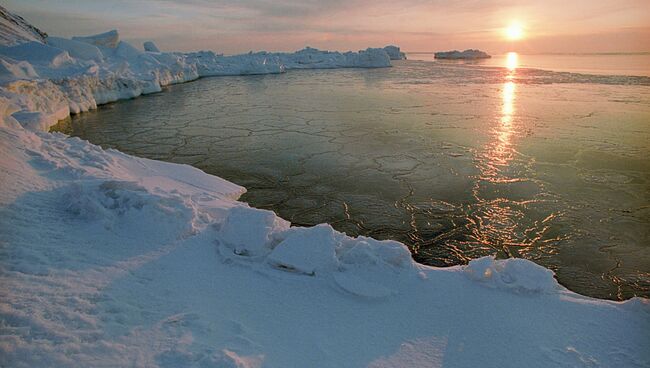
<point>514,31</point>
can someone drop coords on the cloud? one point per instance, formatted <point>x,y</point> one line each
<point>239,25</point>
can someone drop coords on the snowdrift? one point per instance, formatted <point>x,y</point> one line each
<point>93,70</point>
<point>110,260</point>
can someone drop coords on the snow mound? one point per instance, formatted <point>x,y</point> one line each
<point>76,49</point>
<point>360,266</point>
<point>149,46</point>
<point>210,64</point>
<point>309,58</point>
<point>371,252</point>
<point>112,201</point>
<point>39,103</point>
<point>126,51</point>
<point>307,250</point>
<point>514,274</point>
<point>12,69</point>
<point>37,53</point>
<point>251,232</point>
<point>107,39</point>
<point>467,54</point>
<point>394,53</point>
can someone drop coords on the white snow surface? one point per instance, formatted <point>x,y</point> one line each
<point>150,46</point>
<point>108,39</point>
<point>109,260</point>
<point>51,79</point>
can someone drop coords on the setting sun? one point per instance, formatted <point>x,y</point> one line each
<point>514,32</point>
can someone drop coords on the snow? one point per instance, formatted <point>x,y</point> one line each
<point>467,54</point>
<point>84,72</point>
<point>309,58</point>
<point>307,250</point>
<point>14,29</point>
<point>249,232</point>
<point>514,274</point>
<point>76,49</point>
<point>112,260</point>
<point>149,46</point>
<point>108,39</point>
<point>37,53</point>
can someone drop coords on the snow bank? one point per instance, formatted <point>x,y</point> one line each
<point>518,275</point>
<point>37,53</point>
<point>249,232</point>
<point>310,58</point>
<point>108,39</point>
<point>149,46</point>
<point>76,49</point>
<point>210,64</point>
<point>467,54</point>
<point>93,70</point>
<point>113,260</point>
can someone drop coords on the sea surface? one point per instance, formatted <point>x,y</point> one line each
<point>457,160</point>
<point>604,63</point>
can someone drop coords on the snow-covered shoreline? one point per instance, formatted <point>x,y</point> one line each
<point>113,260</point>
<point>50,78</point>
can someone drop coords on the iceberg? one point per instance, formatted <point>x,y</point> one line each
<point>113,260</point>
<point>469,54</point>
<point>394,53</point>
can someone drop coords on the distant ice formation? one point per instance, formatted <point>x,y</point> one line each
<point>78,74</point>
<point>394,53</point>
<point>467,54</point>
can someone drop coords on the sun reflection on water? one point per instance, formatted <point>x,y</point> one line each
<point>498,215</point>
<point>508,97</point>
<point>500,151</point>
<point>512,62</point>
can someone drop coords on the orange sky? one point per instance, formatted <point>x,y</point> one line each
<point>232,26</point>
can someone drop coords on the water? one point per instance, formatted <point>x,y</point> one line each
<point>456,161</point>
<point>604,64</point>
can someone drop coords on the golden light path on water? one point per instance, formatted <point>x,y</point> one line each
<point>497,217</point>
<point>512,62</point>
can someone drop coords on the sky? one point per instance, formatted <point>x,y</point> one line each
<point>234,26</point>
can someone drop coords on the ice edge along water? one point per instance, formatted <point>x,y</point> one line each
<point>114,260</point>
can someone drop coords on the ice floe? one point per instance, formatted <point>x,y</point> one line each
<point>467,54</point>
